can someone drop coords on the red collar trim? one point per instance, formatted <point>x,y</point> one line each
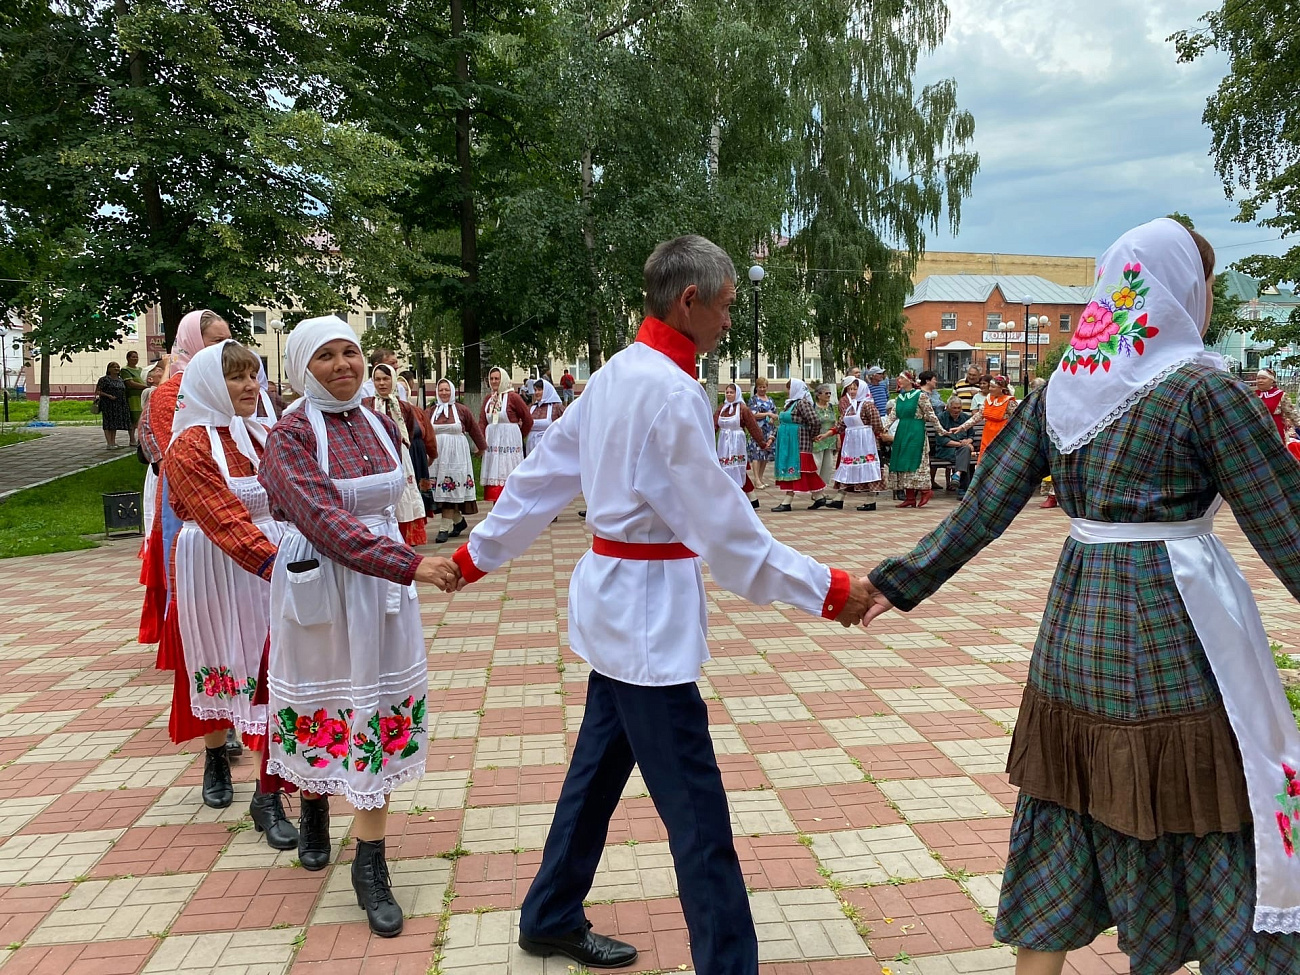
<point>672,343</point>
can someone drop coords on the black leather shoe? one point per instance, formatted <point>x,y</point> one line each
<point>755,503</point>
<point>869,506</point>
<point>441,539</point>
<point>838,504</point>
<point>582,513</point>
<point>234,747</point>
<point>818,503</point>
<point>374,889</point>
<point>267,813</point>
<point>782,507</point>
<point>459,527</point>
<point>584,946</point>
<point>314,833</point>
<point>218,791</point>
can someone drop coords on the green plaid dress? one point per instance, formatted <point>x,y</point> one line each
<point>1133,808</point>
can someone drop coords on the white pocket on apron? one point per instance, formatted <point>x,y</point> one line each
<point>309,592</point>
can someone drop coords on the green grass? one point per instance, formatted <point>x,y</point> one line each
<point>60,409</point>
<point>1286,662</point>
<point>57,517</point>
<point>17,436</point>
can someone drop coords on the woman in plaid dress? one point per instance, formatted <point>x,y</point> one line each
<point>1135,759</point>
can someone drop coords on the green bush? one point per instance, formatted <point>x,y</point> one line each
<point>24,411</point>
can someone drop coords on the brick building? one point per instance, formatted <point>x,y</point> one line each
<point>967,310</point>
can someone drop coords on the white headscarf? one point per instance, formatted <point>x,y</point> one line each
<point>303,343</point>
<point>204,401</point>
<point>496,402</point>
<point>390,405</point>
<point>732,408</point>
<point>549,395</point>
<point>799,390</point>
<point>1144,321</point>
<point>440,408</point>
<point>857,393</point>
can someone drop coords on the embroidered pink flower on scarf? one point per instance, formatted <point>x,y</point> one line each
<point>1096,325</point>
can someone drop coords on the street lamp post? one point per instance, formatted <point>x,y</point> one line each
<point>1005,328</point>
<point>756,275</point>
<point>929,338</point>
<point>1024,364</point>
<point>277,327</point>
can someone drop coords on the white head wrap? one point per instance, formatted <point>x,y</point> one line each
<point>857,393</point>
<point>303,343</point>
<point>390,405</point>
<point>496,402</point>
<point>732,408</point>
<point>799,390</point>
<point>549,395</point>
<point>204,401</point>
<point>440,408</point>
<point>1144,321</point>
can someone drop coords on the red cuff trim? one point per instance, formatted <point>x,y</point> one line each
<point>838,594</point>
<point>472,573</point>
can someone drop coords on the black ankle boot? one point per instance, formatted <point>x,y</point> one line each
<point>218,791</point>
<point>459,527</point>
<point>314,833</point>
<point>268,817</point>
<point>374,889</point>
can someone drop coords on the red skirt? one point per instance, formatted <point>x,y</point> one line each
<point>493,491</point>
<point>183,726</point>
<point>413,532</point>
<point>809,479</point>
<point>153,576</point>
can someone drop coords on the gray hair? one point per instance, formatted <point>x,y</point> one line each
<point>677,264</point>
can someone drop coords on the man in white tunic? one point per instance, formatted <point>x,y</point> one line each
<point>656,496</point>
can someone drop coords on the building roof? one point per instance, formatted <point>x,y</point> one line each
<point>1246,288</point>
<point>955,288</point>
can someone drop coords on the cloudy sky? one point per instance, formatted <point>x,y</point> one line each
<point>1086,125</point>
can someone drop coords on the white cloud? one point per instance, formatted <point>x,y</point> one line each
<point>1085,123</point>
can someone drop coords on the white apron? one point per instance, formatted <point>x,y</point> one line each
<point>505,448</point>
<point>1222,609</point>
<point>410,506</point>
<point>859,455</point>
<point>732,451</point>
<point>452,472</point>
<point>540,424</point>
<point>149,500</point>
<point>224,612</point>
<point>348,677</point>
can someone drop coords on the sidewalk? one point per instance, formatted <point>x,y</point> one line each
<point>60,451</point>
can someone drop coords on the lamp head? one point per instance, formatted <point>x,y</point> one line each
<point>1026,301</point>
<point>756,273</point>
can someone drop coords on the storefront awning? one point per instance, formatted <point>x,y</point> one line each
<point>957,346</point>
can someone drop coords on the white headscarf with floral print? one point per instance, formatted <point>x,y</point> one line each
<point>1144,321</point>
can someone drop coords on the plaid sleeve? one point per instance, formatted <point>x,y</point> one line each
<point>1008,473</point>
<point>1238,442</point>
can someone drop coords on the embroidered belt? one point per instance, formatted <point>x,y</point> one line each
<point>641,551</point>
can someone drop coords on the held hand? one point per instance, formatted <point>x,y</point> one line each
<point>855,605</point>
<point>440,572</point>
<point>877,604</point>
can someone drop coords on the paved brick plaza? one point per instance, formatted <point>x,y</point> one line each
<point>864,772</point>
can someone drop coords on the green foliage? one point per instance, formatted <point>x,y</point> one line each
<point>1051,360</point>
<point>1254,137</point>
<point>58,517</point>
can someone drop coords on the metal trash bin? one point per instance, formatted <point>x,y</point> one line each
<point>123,514</point>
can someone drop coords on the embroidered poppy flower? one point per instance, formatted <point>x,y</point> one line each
<point>1096,325</point>
<point>359,765</point>
<point>394,733</point>
<point>1288,770</point>
<point>1293,787</point>
<point>307,729</point>
<point>409,701</point>
<point>318,761</point>
<point>212,685</point>
<point>1284,827</point>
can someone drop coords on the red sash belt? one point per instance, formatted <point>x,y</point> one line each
<point>641,551</point>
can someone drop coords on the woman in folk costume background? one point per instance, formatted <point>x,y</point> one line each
<point>454,428</point>
<point>348,672</point>
<point>1155,753</point>
<point>547,408</point>
<point>909,455</point>
<point>1276,402</point>
<point>861,429</point>
<point>996,409</point>
<point>796,470</point>
<point>826,445</point>
<point>410,423</point>
<point>732,420</point>
<point>218,628</point>
<point>506,422</point>
<point>197,330</point>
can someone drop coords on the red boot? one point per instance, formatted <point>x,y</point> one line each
<point>910,502</point>
<point>926,495</point>
<point>1049,501</point>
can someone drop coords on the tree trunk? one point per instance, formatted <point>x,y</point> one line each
<point>594,354</point>
<point>826,350</point>
<point>711,360</point>
<point>43,411</point>
<point>475,375</point>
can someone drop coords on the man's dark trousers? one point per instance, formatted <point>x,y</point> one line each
<point>665,731</point>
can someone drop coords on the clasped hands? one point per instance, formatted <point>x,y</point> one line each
<point>440,572</point>
<point>864,604</point>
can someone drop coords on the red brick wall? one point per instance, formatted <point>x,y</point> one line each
<point>928,317</point>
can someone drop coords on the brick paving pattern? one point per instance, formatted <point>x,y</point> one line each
<point>60,451</point>
<point>863,769</point>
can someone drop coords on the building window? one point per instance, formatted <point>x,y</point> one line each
<point>259,322</point>
<point>376,319</point>
<point>812,369</point>
<point>1065,323</point>
<point>344,315</point>
<point>699,369</point>
<point>992,321</point>
<point>778,372</point>
<point>948,321</point>
<point>993,364</point>
<point>1013,366</point>
<point>579,370</point>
